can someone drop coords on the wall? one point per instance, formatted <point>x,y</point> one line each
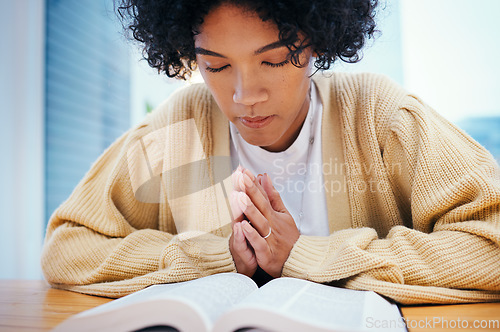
<point>21,138</point>
<point>147,87</point>
<point>451,50</point>
<point>383,54</point>
<point>87,99</point>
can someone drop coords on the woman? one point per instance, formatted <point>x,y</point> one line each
<point>360,183</point>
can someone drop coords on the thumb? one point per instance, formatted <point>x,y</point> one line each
<point>274,196</point>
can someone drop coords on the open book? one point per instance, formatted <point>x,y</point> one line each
<point>232,302</point>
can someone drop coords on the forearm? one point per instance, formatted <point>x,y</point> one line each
<point>408,265</point>
<point>77,256</point>
<point>405,256</point>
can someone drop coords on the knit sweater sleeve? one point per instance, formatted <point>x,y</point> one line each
<point>448,248</point>
<point>105,241</point>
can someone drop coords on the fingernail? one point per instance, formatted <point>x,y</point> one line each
<point>241,180</point>
<point>259,178</point>
<point>235,178</point>
<point>249,174</point>
<point>240,169</point>
<point>243,201</point>
<point>241,236</point>
<point>247,180</point>
<point>244,226</point>
<point>269,179</point>
<point>235,207</point>
<point>244,198</point>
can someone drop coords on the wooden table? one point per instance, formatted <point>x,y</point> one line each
<point>31,305</point>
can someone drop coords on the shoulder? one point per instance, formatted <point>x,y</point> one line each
<point>367,102</point>
<point>191,102</point>
<point>186,102</point>
<point>351,89</point>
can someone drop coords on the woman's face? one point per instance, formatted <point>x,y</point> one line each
<point>251,77</point>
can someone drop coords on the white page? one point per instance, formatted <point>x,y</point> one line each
<point>382,314</point>
<point>328,307</point>
<point>152,292</point>
<point>215,294</point>
<point>210,296</point>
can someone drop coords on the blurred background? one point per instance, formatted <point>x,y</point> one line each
<point>70,84</point>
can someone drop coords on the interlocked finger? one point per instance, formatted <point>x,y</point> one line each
<point>257,195</point>
<point>255,217</point>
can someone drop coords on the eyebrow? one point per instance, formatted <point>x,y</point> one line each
<point>272,46</point>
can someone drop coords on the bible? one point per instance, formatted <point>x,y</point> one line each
<point>232,302</point>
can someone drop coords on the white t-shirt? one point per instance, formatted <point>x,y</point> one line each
<point>296,172</point>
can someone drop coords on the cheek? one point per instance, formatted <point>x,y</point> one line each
<point>296,78</point>
<point>296,86</point>
<point>215,85</point>
<point>222,94</point>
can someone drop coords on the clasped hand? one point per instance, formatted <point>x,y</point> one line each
<point>264,232</point>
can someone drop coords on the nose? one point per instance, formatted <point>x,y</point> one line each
<point>248,89</point>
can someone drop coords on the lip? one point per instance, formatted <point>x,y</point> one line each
<point>257,121</point>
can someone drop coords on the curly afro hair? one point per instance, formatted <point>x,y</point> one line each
<point>333,28</point>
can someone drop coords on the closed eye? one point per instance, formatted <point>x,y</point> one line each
<point>270,64</point>
<point>276,65</point>
<point>216,70</point>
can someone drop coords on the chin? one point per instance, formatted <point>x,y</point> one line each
<point>258,140</point>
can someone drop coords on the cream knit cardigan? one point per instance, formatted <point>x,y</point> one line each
<point>429,234</point>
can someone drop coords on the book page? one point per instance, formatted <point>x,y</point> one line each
<point>312,304</point>
<point>210,296</point>
<point>215,294</point>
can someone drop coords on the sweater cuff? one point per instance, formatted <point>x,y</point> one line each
<point>216,258</point>
<point>203,255</point>
<point>306,256</point>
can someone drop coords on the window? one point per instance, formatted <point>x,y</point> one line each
<point>87,91</point>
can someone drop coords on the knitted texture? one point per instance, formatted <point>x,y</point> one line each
<point>424,202</point>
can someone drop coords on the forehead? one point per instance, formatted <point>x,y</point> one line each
<point>228,27</point>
